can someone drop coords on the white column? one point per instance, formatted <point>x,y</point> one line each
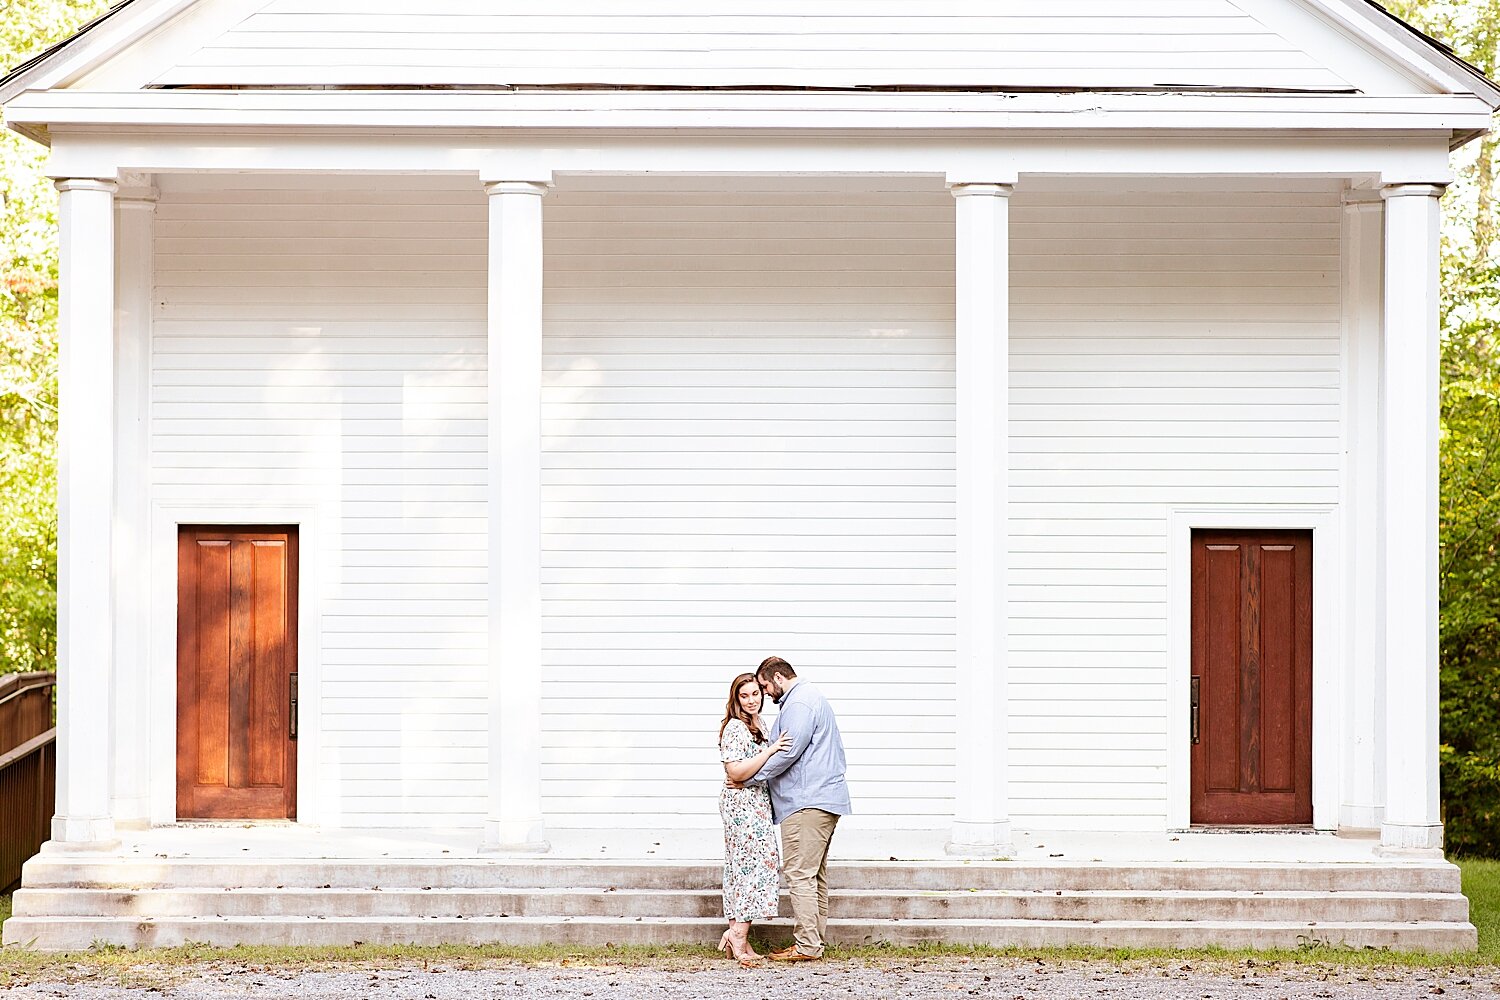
<point>85,493</point>
<point>135,207</point>
<point>1412,226</point>
<point>981,824</point>
<point>1364,643</point>
<point>514,403</point>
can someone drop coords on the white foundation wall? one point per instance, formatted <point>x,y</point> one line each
<point>748,449</point>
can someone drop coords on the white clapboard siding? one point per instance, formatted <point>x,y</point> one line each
<point>813,43</point>
<point>284,373</point>
<point>1172,344</point>
<point>748,420</point>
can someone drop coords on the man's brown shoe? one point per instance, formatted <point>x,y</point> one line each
<point>793,955</point>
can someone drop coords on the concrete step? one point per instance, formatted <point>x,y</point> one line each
<point>69,901</point>
<point>870,904</point>
<point>63,871</point>
<point>75,932</point>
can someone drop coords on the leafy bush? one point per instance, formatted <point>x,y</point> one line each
<point>1471,793</point>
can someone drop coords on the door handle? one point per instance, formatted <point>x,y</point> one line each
<point>291,728</point>
<point>1193,717</point>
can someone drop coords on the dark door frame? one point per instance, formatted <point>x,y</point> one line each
<point>1325,521</point>
<point>1252,652</point>
<point>294,633</point>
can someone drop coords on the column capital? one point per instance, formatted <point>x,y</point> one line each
<point>533,187</point>
<point>104,184</point>
<point>971,189</point>
<point>135,190</point>
<point>1425,189</point>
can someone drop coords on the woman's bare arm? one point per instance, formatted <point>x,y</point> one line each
<point>740,771</point>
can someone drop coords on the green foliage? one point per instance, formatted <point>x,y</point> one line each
<point>28,360</point>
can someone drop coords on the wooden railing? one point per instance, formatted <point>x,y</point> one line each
<point>28,769</point>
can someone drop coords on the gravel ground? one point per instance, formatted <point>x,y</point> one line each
<point>1006,979</point>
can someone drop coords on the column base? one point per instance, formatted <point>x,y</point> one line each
<point>82,833</point>
<point>980,840</point>
<point>131,813</point>
<point>1360,817</point>
<point>1426,838</point>
<point>515,836</point>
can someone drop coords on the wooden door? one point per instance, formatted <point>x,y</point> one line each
<point>236,661</point>
<point>1252,671</point>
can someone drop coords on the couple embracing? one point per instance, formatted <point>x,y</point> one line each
<point>792,775</point>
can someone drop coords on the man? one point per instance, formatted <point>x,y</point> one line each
<point>808,795</point>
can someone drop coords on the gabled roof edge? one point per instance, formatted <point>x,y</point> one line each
<point>118,27</point>
<point>1421,45</point>
<point>128,20</point>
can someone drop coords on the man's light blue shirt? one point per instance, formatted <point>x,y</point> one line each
<point>811,774</point>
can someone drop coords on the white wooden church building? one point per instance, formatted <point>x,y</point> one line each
<point>457,395</point>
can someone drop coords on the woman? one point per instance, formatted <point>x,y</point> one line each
<point>752,862</point>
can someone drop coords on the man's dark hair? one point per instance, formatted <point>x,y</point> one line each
<point>774,666</point>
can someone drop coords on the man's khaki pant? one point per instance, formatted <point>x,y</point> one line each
<point>805,836</point>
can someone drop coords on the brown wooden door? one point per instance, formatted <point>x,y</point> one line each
<point>1252,667</point>
<point>236,654</point>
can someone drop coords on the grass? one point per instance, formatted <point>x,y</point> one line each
<point>1481,883</point>
<point>1482,886</point>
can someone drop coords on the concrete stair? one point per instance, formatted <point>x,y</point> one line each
<point>71,902</point>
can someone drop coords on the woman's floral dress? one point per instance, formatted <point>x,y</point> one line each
<point>752,860</point>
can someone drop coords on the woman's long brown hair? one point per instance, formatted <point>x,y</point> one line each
<point>733,710</point>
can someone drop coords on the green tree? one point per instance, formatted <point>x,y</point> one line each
<point>28,359</point>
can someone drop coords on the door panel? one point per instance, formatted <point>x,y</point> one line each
<point>1252,659</point>
<point>236,652</point>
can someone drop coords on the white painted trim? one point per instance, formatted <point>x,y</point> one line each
<point>166,518</point>
<point>135,207</point>
<point>1362,238</point>
<point>445,103</point>
<point>1363,157</point>
<point>1400,45</point>
<point>1328,660</point>
<point>611,112</point>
